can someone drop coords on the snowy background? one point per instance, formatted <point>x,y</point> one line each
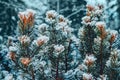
<point>73,10</point>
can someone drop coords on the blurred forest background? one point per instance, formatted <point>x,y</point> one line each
<point>72,9</point>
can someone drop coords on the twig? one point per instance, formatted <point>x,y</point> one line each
<point>66,56</point>
<point>58,6</point>
<point>32,74</point>
<point>57,71</point>
<point>101,57</point>
<point>75,13</point>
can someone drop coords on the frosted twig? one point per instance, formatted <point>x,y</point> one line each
<point>74,13</point>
